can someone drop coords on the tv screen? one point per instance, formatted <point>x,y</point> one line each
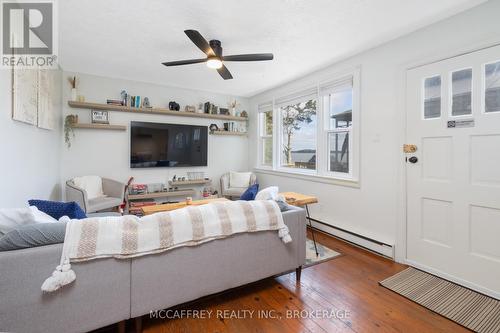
<point>167,145</point>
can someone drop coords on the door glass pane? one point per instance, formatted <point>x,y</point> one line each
<point>267,149</point>
<point>339,152</point>
<point>432,97</point>
<point>461,85</point>
<point>492,91</point>
<point>298,121</point>
<point>341,108</point>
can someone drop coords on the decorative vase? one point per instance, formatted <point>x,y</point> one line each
<point>233,112</point>
<point>73,94</point>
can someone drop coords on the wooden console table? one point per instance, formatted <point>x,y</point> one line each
<point>302,200</point>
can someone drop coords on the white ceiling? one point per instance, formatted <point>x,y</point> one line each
<point>129,38</point>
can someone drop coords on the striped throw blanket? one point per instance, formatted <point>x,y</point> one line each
<point>129,236</point>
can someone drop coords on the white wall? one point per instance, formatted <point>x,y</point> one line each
<point>106,153</point>
<point>374,210</point>
<point>30,156</point>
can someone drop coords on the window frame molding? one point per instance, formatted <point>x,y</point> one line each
<point>321,173</point>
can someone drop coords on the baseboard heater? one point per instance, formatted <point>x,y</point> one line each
<point>373,245</point>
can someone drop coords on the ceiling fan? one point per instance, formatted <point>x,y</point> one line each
<point>214,58</point>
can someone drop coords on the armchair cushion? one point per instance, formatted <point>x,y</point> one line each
<point>58,209</point>
<point>90,184</point>
<point>239,179</point>
<point>250,193</point>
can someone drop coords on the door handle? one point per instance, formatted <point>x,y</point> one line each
<point>413,159</point>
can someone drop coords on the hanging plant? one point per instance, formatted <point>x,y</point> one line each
<point>69,133</point>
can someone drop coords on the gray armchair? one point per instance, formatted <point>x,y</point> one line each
<point>233,192</point>
<point>113,191</point>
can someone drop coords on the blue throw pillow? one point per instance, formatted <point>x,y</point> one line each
<point>250,193</point>
<point>58,209</point>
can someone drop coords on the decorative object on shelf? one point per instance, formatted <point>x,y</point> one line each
<point>224,111</point>
<point>80,98</point>
<point>232,106</point>
<point>174,106</point>
<point>200,108</point>
<point>213,128</point>
<point>114,102</point>
<point>206,107</point>
<point>189,108</point>
<point>146,103</point>
<point>72,82</point>
<point>244,114</point>
<point>137,103</point>
<point>214,109</point>
<point>69,121</point>
<point>99,117</point>
<point>195,175</point>
<point>124,96</point>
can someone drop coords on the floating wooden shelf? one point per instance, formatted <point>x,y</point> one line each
<point>190,182</point>
<point>228,133</point>
<point>100,126</point>
<point>161,194</point>
<point>108,107</point>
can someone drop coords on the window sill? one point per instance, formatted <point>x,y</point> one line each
<point>312,178</point>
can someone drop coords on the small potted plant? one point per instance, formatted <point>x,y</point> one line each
<point>69,121</point>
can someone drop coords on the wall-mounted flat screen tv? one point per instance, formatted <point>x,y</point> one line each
<point>167,145</point>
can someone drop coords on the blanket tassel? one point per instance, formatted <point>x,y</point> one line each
<point>62,276</point>
<point>284,234</point>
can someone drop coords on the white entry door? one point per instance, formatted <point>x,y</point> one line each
<point>453,178</point>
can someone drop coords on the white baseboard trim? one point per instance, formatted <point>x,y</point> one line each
<point>456,280</point>
<point>380,248</point>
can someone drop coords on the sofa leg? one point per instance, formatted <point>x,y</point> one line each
<point>121,326</point>
<point>138,324</point>
<point>298,271</point>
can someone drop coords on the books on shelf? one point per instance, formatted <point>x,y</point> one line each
<point>114,102</point>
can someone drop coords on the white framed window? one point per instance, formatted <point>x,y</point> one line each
<point>266,128</point>
<point>315,132</point>
<point>297,127</point>
<point>491,81</point>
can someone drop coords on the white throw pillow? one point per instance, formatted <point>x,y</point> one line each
<point>239,179</point>
<point>269,193</point>
<point>90,184</point>
<point>12,218</point>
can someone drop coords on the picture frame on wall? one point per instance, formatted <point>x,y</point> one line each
<point>99,117</point>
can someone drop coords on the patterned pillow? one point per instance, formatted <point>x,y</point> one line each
<point>250,193</point>
<point>58,209</point>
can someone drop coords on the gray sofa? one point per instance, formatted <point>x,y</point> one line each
<point>109,290</point>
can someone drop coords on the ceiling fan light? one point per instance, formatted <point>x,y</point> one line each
<point>214,63</point>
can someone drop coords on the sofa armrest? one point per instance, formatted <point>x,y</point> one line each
<point>76,194</point>
<point>113,188</point>
<point>224,183</point>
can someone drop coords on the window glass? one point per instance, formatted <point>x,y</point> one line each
<point>432,97</point>
<point>298,122</point>
<point>461,85</point>
<point>341,108</point>
<point>492,85</point>
<point>267,150</point>
<point>338,151</point>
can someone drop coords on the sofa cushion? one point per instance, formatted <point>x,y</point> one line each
<point>58,209</point>
<point>239,179</point>
<point>32,235</point>
<point>250,193</point>
<point>13,218</point>
<point>269,193</point>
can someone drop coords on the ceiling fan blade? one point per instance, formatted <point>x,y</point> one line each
<point>249,57</point>
<point>225,73</point>
<point>199,41</point>
<point>184,62</point>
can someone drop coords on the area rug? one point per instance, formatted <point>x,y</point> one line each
<point>468,308</point>
<point>324,253</point>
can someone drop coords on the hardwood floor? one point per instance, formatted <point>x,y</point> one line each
<point>347,284</point>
